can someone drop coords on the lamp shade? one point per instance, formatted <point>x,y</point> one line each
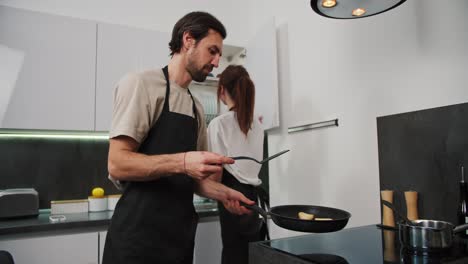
<point>351,9</point>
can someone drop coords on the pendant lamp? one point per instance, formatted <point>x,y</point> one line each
<point>350,9</point>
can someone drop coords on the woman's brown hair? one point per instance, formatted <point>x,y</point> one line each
<point>237,83</point>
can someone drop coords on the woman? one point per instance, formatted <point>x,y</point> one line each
<point>238,133</point>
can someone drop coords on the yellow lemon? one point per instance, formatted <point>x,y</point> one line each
<point>98,192</point>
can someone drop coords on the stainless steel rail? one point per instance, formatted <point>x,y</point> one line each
<point>333,122</point>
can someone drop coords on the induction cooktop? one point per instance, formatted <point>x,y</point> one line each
<point>362,245</point>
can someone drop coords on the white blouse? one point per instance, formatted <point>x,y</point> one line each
<point>226,138</point>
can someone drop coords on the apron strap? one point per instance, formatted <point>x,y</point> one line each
<point>168,88</point>
<point>166,100</point>
<point>195,112</point>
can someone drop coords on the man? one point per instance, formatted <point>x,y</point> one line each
<point>157,126</point>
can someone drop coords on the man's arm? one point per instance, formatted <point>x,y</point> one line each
<point>126,164</point>
<point>218,176</point>
<point>229,197</point>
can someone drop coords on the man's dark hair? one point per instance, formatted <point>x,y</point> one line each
<point>197,24</point>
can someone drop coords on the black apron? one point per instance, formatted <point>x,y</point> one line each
<point>155,221</point>
<point>237,231</point>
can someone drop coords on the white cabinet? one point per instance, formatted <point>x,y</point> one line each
<point>263,69</point>
<point>71,66</point>
<point>102,242</point>
<point>120,50</point>
<point>123,49</point>
<point>55,85</point>
<point>81,248</point>
<point>208,245</point>
<point>88,247</point>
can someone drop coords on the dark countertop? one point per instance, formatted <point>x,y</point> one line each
<point>366,244</point>
<point>100,220</point>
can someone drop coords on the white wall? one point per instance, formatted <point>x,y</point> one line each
<point>410,58</point>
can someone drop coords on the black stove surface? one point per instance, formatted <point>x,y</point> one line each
<point>363,245</point>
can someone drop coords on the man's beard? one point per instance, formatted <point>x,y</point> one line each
<point>198,75</point>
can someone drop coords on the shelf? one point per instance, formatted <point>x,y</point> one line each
<point>232,51</point>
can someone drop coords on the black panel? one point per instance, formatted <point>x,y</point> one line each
<point>264,171</point>
<point>423,151</point>
<point>63,169</point>
<point>57,168</point>
<point>358,245</point>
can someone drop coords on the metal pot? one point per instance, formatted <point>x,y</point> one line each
<point>428,235</point>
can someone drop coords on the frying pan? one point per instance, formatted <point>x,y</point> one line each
<point>286,217</point>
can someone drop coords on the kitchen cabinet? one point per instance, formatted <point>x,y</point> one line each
<point>120,50</point>
<point>78,248</point>
<point>208,245</point>
<point>71,67</point>
<point>102,241</point>
<point>87,248</point>
<point>262,65</point>
<point>55,84</point>
<point>139,49</point>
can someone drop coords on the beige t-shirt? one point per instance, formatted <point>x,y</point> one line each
<point>139,100</point>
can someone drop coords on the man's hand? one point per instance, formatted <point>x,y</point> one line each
<point>232,202</point>
<point>229,197</point>
<point>201,164</point>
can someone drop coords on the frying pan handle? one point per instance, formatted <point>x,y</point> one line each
<point>386,227</point>
<point>256,208</point>
<point>400,215</point>
<point>460,228</point>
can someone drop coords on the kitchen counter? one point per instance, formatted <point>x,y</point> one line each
<point>366,244</point>
<point>96,220</point>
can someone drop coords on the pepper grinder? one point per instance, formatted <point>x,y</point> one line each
<point>411,198</point>
<point>389,253</point>
<point>388,218</point>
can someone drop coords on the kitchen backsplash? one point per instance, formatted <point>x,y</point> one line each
<point>423,151</point>
<point>58,168</point>
<point>61,167</point>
